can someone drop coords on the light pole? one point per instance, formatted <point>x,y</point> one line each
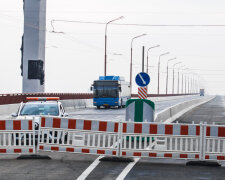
<point>167,74</point>
<point>195,83</point>
<point>131,56</point>
<point>159,67</point>
<point>178,84</point>
<point>106,41</point>
<point>147,55</point>
<point>182,88</point>
<point>173,75</point>
<point>190,83</point>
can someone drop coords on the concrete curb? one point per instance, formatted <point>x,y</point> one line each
<point>172,113</point>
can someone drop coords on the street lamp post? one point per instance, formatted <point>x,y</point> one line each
<point>167,74</point>
<point>159,67</point>
<point>106,41</point>
<point>147,55</point>
<point>185,90</point>
<point>178,84</point>
<point>188,84</point>
<point>131,58</point>
<point>182,88</point>
<point>196,82</point>
<point>173,75</point>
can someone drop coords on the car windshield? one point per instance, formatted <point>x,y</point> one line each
<point>40,109</point>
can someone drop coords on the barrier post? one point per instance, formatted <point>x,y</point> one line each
<point>119,146</point>
<point>204,141</point>
<point>33,126</point>
<point>200,143</point>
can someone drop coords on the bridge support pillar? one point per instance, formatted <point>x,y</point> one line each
<point>33,46</point>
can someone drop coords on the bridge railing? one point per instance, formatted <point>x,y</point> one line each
<point>18,97</point>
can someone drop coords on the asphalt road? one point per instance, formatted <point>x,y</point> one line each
<point>70,166</point>
<point>212,111</point>
<point>119,114</point>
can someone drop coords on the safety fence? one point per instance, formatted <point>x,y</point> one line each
<point>110,138</point>
<point>79,136</point>
<point>18,97</point>
<point>17,137</point>
<point>132,139</point>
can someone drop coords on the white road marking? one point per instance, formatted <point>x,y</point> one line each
<point>127,169</point>
<point>86,173</point>
<point>124,173</point>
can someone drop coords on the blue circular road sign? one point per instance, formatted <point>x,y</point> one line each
<point>142,79</point>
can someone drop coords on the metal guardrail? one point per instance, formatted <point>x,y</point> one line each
<point>17,97</point>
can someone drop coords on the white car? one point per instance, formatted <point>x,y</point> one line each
<point>40,106</point>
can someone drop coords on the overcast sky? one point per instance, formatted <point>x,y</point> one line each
<point>75,57</point>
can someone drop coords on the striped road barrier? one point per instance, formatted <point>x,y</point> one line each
<point>200,142</point>
<point>79,136</point>
<point>133,139</point>
<point>17,137</point>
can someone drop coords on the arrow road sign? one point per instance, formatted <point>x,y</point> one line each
<point>142,79</point>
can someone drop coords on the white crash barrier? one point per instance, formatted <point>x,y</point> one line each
<point>17,137</point>
<point>133,139</point>
<point>158,140</point>
<point>79,136</point>
<point>214,142</point>
<point>120,139</point>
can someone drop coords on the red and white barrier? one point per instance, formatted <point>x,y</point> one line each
<point>158,140</point>
<point>133,139</point>
<point>214,144</point>
<point>17,137</point>
<point>79,136</point>
<point>159,128</point>
<point>109,138</point>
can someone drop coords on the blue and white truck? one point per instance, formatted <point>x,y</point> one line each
<point>110,91</point>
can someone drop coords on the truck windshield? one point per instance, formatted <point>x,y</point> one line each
<point>106,89</point>
<point>40,109</point>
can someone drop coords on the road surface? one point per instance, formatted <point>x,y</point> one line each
<point>119,114</point>
<point>212,111</point>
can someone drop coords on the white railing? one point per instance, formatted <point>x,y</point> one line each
<point>17,137</point>
<point>121,139</point>
<point>79,140</point>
